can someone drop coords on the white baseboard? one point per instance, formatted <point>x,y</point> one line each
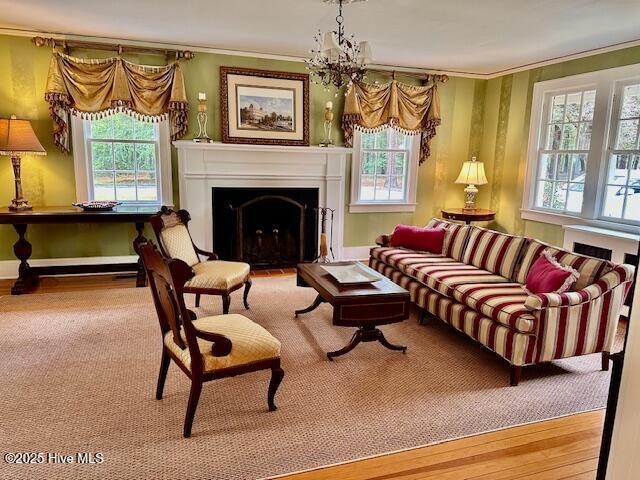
<point>9,268</point>
<point>356,253</point>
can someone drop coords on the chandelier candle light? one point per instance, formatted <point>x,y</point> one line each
<point>338,60</point>
<point>17,138</point>
<point>202,119</point>
<point>472,174</point>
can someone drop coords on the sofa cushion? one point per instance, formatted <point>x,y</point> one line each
<point>455,239</point>
<point>493,251</point>
<point>402,256</point>
<point>417,238</point>
<point>503,303</point>
<point>547,275</point>
<point>589,268</point>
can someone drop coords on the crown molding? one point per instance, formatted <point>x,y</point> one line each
<point>291,58</point>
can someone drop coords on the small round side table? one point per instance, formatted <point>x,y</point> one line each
<point>468,216</point>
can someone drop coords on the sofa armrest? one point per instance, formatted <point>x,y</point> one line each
<point>620,274</point>
<point>383,240</point>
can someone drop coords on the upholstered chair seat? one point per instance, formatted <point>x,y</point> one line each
<point>251,342</point>
<point>210,277</point>
<point>218,275</point>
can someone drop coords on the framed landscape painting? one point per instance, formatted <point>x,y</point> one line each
<point>264,107</point>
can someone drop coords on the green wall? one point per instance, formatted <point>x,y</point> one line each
<point>506,134</point>
<point>489,119</point>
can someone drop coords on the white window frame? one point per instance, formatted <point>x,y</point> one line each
<point>367,206</point>
<point>606,83</point>
<point>82,167</point>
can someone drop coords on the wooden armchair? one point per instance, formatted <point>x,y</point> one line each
<point>212,277</point>
<point>206,348</point>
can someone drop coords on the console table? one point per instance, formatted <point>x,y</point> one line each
<point>468,216</point>
<point>28,276</point>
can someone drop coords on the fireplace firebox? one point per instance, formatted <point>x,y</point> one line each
<point>265,227</point>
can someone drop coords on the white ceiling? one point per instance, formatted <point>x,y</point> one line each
<point>472,36</point>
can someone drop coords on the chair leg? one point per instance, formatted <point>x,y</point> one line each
<point>515,374</point>
<point>162,376</point>
<point>194,396</point>
<point>423,317</point>
<point>605,361</point>
<point>197,299</point>
<point>277,375</point>
<point>226,302</point>
<point>245,298</point>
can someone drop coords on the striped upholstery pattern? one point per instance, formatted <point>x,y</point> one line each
<point>455,239</point>
<point>397,257</point>
<point>504,303</point>
<point>590,269</point>
<point>493,251</point>
<point>517,348</point>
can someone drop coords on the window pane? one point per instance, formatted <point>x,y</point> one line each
<point>557,108</point>
<point>572,109</point>
<point>144,130</point>
<point>562,170</point>
<point>614,200</point>
<point>627,133</point>
<point>123,154</point>
<point>554,134</point>
<point>369,163</point>
<point>382,188</point>
<point>381,163</point>
<point>103,186</point>
<point>569,136</point>
<point>145,156</point>
<point>574,201</point>
<point>381,139</point>
<point>632,209</point>
<point>559,199</point>
<point>125,186</point>
<point>398,164</point>
<point>548,166</point>
<point>618,165</point>
<point>102,128</point>
<point>101,156</point>
<point>397,140</point>
<point>366,187</point>
<point>634,173</point>
<point>396,187</point>
<point>147,186</point>
<point>368,140</point>
<point>122,126</point>
<point>588,105</point>
<point>631,101</point>
<point>578,168</point>
<point>545,192</point>
<point>584,136</point>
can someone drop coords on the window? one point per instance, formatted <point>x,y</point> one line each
<point>121,158</point>
<point>584,152</point>
<point>384,171</point>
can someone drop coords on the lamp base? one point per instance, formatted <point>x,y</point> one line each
<point>20,205</point>
<point>471,192</point>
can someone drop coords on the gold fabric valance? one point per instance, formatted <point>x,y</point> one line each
<point>411,109</point>
<point>95,87</point>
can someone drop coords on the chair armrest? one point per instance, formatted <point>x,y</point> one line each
<point>209,255</point>
<point>383,240</point>
<point>221,345</point>
<point>620,274</point>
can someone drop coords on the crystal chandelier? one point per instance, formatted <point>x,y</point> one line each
<point>337,59</point>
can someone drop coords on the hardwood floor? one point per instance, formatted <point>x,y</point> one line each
<point>565,448</point>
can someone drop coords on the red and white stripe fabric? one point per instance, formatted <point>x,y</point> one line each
<point>455,239</point>
<point>589,268</point>
<point>517,348</point>
<point>396,257</point>
<point>504,303</point>
<point>493,251</point>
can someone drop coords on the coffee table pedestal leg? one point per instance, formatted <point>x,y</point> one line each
<point>316,303</point>
<point>366,334</point>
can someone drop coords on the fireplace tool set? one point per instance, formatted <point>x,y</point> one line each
<point>325,248</point>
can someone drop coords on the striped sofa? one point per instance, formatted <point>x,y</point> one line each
<point>476,285</point>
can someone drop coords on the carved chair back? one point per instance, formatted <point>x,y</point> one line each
<point>172,232</point>
<point>166,280</point>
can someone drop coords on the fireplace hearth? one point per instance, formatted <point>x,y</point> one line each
<point>265,227</point>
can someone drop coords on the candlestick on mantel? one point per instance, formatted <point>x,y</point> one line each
<point>202,119</point>
<point>328,123</point>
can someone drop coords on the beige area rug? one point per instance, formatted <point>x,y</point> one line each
<point>78,374</point>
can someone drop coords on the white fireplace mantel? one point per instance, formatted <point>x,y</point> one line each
<point>204,166</point>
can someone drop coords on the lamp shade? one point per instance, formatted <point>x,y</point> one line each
<point>330,48</point>
<point>17,137</point>
<point>472,173</point>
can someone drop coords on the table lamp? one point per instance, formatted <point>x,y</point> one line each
<point>18,138</point>
<point>472,174</point>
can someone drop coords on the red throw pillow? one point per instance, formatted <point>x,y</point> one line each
<point>418,238</point>
<point>547,275</point>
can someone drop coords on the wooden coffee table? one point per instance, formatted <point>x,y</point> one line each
<point>364,307</point>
